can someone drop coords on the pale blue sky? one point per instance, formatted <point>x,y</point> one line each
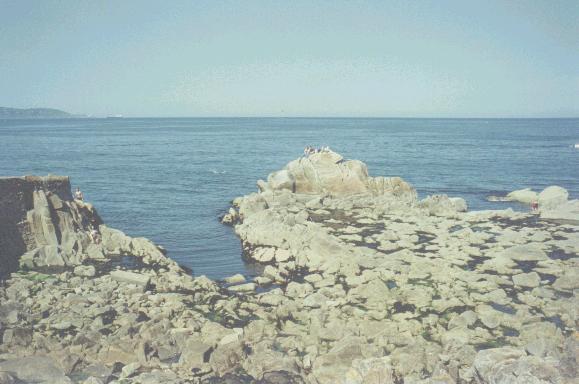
<point>292,58</point>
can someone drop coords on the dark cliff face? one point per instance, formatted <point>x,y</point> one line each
<point>17,233</point>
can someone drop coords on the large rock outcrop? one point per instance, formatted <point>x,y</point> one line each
<point>42,220</point>
<point>43,226</point>
<point>327,172</point>
<point>381,287</point>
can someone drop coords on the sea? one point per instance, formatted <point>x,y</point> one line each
<point>170,179</point>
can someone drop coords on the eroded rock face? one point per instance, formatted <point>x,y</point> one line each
<point>553,196</point>
<point>329,173</point>
<point>39,216</point>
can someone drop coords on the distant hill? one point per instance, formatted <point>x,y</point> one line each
<point>33,113</point>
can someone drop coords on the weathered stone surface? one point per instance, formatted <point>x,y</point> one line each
<point>552,196</point>
<point>38,212</point>
<point>195,353</point>
<point>566,211</point>
<point>235,279</point>
<point>281,180</point>
<point>130,278</point>
<point>511,365</point>
<point>6,378</point>
<point>568,281</point>
<point>45,256</point>
<point>527,252</point>
<point>528,280</point>
<point>226,357</point>
<point>247,287</point>
<point>371,371</point>
<point>525,196</point>
<point>442,205</point>
<point>328,172</point>
<point>85,270</point>
<point>36,369</point>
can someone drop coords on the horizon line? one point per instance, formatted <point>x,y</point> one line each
<point>113,117</point>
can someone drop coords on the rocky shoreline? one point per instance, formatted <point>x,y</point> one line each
<point>361,283</point>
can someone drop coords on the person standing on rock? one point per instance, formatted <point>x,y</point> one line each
<point>78,194</point>
<point>534,206</point>
<point>95,235</point>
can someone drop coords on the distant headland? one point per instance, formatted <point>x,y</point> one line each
<point>34,113</point>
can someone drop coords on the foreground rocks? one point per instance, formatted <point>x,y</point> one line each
<point>360,284</point>
<point>379,284</point>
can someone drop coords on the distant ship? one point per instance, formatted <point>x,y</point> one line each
<point>115,117</point>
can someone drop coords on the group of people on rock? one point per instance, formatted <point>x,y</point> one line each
<point>95,236</point>
<point>309,150</point>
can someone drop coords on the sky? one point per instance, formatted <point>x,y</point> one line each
<point>292,58</point>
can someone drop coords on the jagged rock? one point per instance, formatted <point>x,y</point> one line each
<point>93,380</point>
<point>45,256</point>
<point>392,186</point>
<point>568,281</point>
<point>231,217</point>
<point>511,365</point>
<point>235,279</point>
<point>331,367</point>
<point>371,371</point>
<point>40,219</point>
<point>131,278</point>
<point>17,336</point>
<point>251,205</point>
<point>526,252</point>
<point>528,280</point>
<point>114,240</point>
<point>99,372</point>
<point>281,180</point>
<point>36,369</point>
<point>130,369</point>
<point>85,270</point>
<point>6,378</point>
<point>442,205</point>
<point>327,172</point>
<point>566,211</point>
<point>195,354</point>
<point>281,377</point>
<point>226,357</point>
<point>247,287</point>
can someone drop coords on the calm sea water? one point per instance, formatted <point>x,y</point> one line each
<point>171,179</point>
